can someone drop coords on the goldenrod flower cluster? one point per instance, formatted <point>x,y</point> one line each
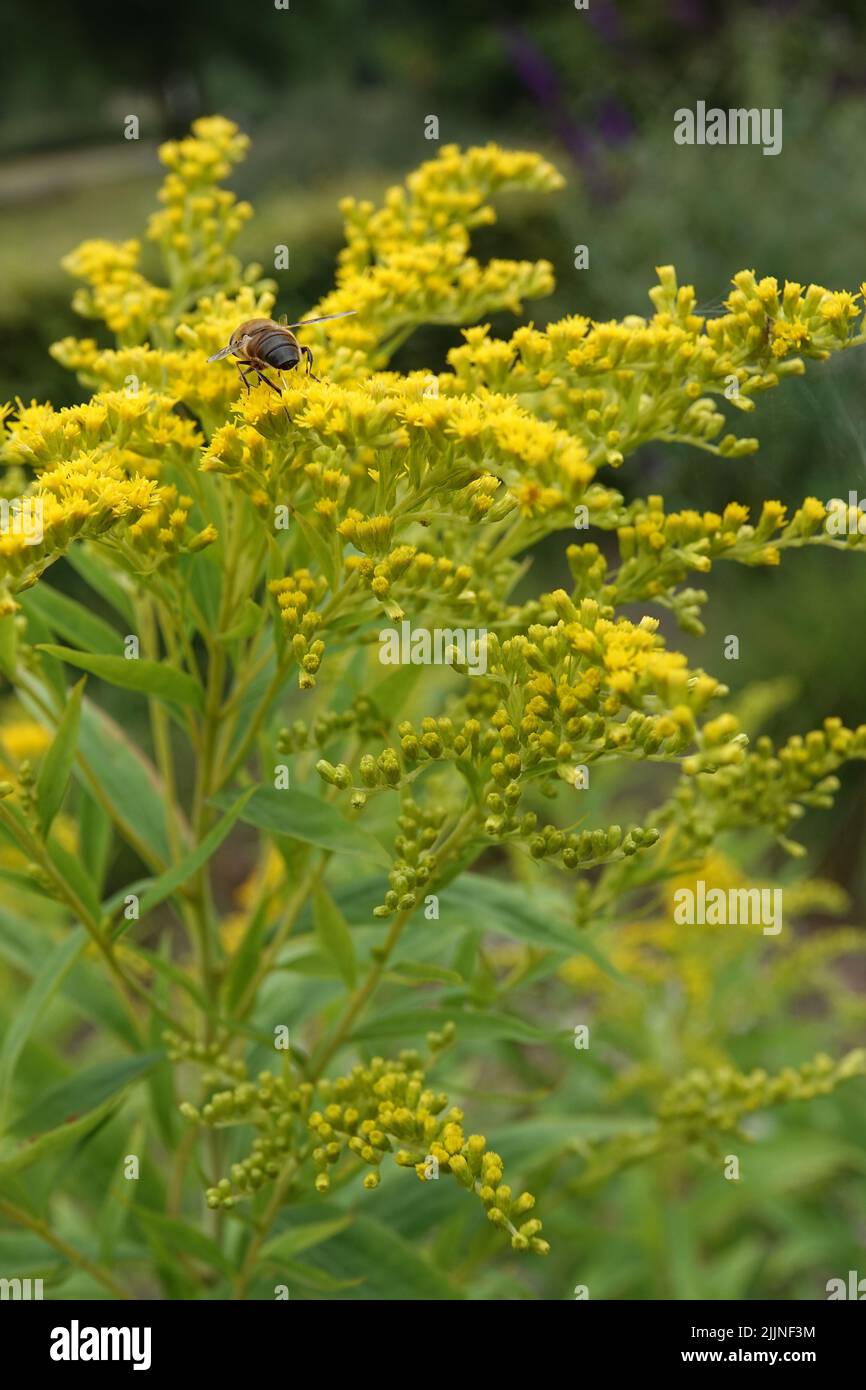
<point>379,1109</point>
<point>707,1107</point>
<point>293,596</point>
<point>765,786</point>
<point>719,1099</point>
<point>616,385</point>
<point>421,495</point>
<point>200,220</point>
<point>407,262</point>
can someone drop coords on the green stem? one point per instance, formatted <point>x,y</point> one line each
<point>44,1231</point>
<point>242,752</point>
<point>264,1225</point>
<point>449,847</point>
<point>161,735</point>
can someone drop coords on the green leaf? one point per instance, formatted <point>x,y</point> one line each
<point>537,916</point>
<point>23,1254</point>
<point>252,617</point>
<point>307,818</point>
<point>145,677</point>
<point>18,945</point>
<point>423,972</point>
<point>51,671</point>
<point>95,833</point>
<point>118,899</point>
<point>57,764</point>
<point>51,976</point>
<point>127,780</point>
<point>474,1025</point>
<point>178,874</point>
<point>246,958</point>
<point>54,1141</point>
<point>70,867</point>
<point>162,1106</point>
<point>115,770</point>
<point>203,573</point>
<point>334,935</point>
<point>534,1140</point>
<point>388,1266</point>
<point>174,974</point>
<point>88,990</point>
<point>104,579</point>
<point>8,646</point>
<point>71,620</point>
<point>175,1236</point>
<point>395,689</point>
<point>83,1092</point>
<point>298,1238</point>
<point>95,996</point>
<point>307,1276</point>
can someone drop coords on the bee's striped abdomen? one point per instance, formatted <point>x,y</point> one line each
<point>279,350</point>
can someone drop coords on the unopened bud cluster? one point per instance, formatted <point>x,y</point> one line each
<point>379,1109</point>
<point>719,1099</point>
<point>294,596</point>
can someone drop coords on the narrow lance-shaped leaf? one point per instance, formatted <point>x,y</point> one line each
<point>54,971</point>
<point>54,1141</point>
<point>57,764</point>
<point>69,619</point>
<point>308,818</point>
<point>127,780</point>
<point>299,1238</point>
<point>8,646</point>
<point>146,677</point>
<point>83,1092</point>
<point>334,935</point>
<point>177,875</point>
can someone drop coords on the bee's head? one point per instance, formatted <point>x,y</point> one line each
<point>239,339</point>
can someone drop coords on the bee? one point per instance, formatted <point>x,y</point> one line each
<point>260,343</point>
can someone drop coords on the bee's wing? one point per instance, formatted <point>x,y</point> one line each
<point>223,352</point>
<point>324,319</point>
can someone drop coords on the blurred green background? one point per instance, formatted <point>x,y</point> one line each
<point>335,97</point>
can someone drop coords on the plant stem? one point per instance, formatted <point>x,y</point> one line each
<point>161,735</point>
<point>256,722</point>
<point>359,998</point>
<point>44,1231</point>
<point>249,1264</point>
<point>449,847</point>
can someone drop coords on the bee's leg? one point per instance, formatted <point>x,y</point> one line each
<point>266,379</point>
<point>278,389</point>
<point>308,353</point>
<point>243,376</point>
